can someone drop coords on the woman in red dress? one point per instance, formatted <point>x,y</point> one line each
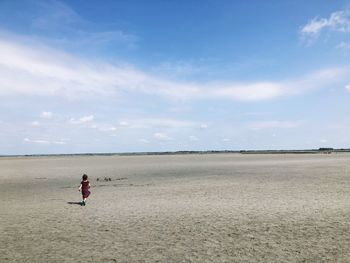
<point>84,188</point>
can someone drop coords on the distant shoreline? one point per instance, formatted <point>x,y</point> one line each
<point>305,151</point>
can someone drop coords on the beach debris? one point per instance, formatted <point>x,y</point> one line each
<point>107,179</point>
<point>122,178</point>
<point>97,179</point>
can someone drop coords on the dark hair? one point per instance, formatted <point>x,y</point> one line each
<point>85,177</point>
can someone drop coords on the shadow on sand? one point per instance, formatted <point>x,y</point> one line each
<point>74,203</point>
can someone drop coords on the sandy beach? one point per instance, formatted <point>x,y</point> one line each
<point>176,208</point>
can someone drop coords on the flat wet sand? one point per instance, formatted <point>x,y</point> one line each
<point>177,208</point>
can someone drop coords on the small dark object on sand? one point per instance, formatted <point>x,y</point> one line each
<point>107,179</point>
<point>98,179</point>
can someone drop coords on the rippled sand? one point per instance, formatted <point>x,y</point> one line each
<point>181,208</point>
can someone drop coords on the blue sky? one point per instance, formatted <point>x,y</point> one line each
<point>124,76</point>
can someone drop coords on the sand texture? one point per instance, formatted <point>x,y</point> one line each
<point>180,208</point>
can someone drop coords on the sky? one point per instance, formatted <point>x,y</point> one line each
<point>85,76</point>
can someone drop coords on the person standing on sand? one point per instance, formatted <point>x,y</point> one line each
<point>84,188</point>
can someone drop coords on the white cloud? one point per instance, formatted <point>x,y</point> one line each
<point>27,140</point>
<point>203,126</point>
<point>160,123</point>
<point>103,127</point>
<point>316,80</point>
<point>46,115</point>
<point>36,141</point>
<point>48,72</point>
<point>246,91</point>
<point>348,87</point>
<point>343,45</point>
<point>162,136</point>
<point>314,26</point>
<point>258,125</point>
<point>83,119</point>
<point>169,123</point>
<point>107,129</point>
<point>324,140</point>
<point>338,21</point>
<point>35,123</point>
<point>124,123</point>
<point>226,140</point>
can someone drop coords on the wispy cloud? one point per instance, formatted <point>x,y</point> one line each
<point>338,21</point>
<point>158,123</point>
<point>107,129</point>
<point>83,119</point>
<point>347,87</point>
<point>343,45</point>
<point>46,115</point>
<point>35,123</point>
<point>27,140</point>
<point>258,125</point>
<point>124,123</point>
<point>162,136</point>
<point>56,23</point>
<point>36,141</point>
<point>49,72</point>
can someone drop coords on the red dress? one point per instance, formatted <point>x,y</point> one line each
<point>85,189</point>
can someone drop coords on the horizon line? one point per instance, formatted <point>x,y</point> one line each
<point>319,150</point>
